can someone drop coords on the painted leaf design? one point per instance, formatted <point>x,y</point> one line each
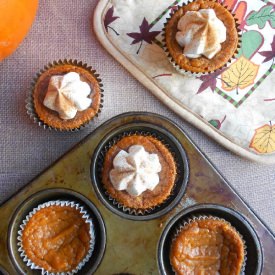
<point>265,14</point>
<point>239,8</point>
<point>110,18</point>
<point>229,4</point>
<point>263,140</point>
<point>240,12</point>
<point>209,81</point>
<point>162,75</point>
<point>269,99</point>
<point>217,123</point>
<point>144,35</point>
<point>269,54</point>
<point>252,41</point>
<point>239,75</point>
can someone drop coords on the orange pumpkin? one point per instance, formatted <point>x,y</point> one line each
<point>16,17</point>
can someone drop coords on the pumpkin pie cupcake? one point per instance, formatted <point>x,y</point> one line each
<point>201,37</point>
<point>207,245</point>
<point>139,173</point>
<point>65,96</point>
<point>57,237</point>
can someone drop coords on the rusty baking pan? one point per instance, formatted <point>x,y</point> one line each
<point>75,176</point>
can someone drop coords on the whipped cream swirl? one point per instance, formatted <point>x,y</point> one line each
<point>200,33</point>
<point>135,171</point>
<point>67,94</point>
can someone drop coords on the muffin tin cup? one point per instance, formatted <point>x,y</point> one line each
<point>129,240</point>
<point>253,257</point>
<point>184,223</point>
<point>30,102</point>
<point>180,183</point>
<point>126,209</point>
<point>85,216</point>
<point>46,198</point>
<point>2,271</point>
<point>190,73</point>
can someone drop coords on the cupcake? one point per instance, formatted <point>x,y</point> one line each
<point>57,237</point>
<point>139,172</point>
<point>207,245</point>
<point>65,96</point>
<point>201,37</point>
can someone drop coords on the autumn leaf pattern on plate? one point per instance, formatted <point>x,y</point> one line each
<point>145,35</point>
<point>269,99</point>
<point>239,9</point>
<point>217,123</point>
<point>252,41</point>
<point>269,54</point>
<point>261,17</point>
<point>264,139</point>
<point>240,80</point>
<point>229,3</point>
<point>209,81</point>
<point>239,75</point>
<point>240,12</point>
<point>110,18</point>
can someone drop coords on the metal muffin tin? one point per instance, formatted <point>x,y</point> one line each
<point>144,129</point>
<point>49,195</point>
<point>131,245</point>
<point>254,261</point>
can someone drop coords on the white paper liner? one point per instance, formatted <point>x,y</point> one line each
<point>120,206</point>
<point>194,218</point>
<point>190,73</point>
<point>29,98</point>
<point>131,211</point>
<point>85,216</point>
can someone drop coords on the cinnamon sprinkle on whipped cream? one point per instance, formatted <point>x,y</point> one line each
<point>200,33</point>
<point>135,171</point>
<point>67,94</point>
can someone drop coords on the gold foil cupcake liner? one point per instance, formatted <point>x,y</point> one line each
<point>185,223</point>
<point>120,206</point>
<point>197,74</point>
<point>30,101</point>
<point>85,216</point>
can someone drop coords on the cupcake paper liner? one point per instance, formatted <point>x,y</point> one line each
<point>85,216</point>
<point>118,205</point>
<point>190,73</point>
<point>184,223</point>
<point>30,104</point>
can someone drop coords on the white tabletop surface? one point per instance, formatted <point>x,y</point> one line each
<point>62,29</point>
